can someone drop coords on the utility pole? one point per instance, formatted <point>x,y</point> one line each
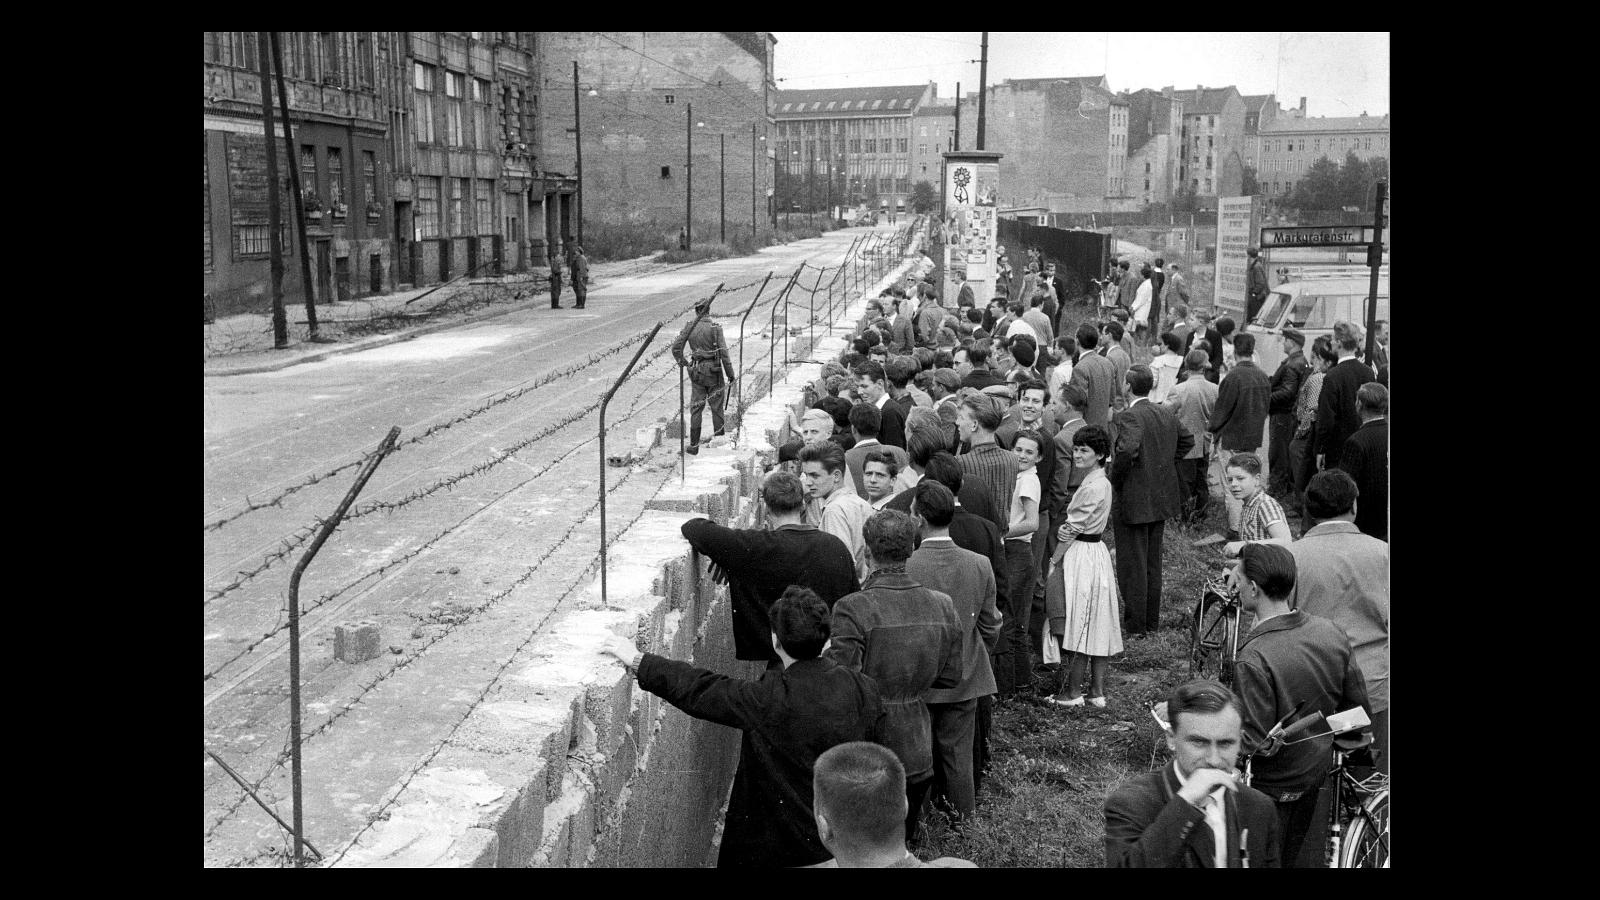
<point>811,179</point>
<point>722,185</point>
<point>1375,261</point>
<point>280,321</point>
<point>957,145</point>
<point>983,85</point>
<point>688,182</point>
<point>752,180</point>
<point>577,140</point>
<point>294,186</point>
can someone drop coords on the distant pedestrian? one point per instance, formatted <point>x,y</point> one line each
<point>1176,290</point>
<point>1193,400</point>
<point>1286,384</point>
<point>1143,305</point>
<point>1128,282</point>
<point>1158,282</point>
<point>579,264</point>
<point>1256,284</point>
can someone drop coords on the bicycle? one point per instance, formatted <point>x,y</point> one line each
<point>1214,631</point>
<point>1359,804</point>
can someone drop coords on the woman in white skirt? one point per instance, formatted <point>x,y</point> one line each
<point>1083,581</point>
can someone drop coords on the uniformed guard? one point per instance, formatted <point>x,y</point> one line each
<point>707,364</point>
<point>578,265</point>
<point>555,278</point>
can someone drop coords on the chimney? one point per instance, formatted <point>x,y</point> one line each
<point>1302,107</point>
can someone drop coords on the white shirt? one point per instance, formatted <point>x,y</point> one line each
<point>1216,817</point>
<point>1027,488</point>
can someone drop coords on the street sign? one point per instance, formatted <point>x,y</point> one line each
<point>1317,236</point>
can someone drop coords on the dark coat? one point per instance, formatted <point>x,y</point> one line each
<point>1337,417</point>
<point>789,718</point>
<point>907,639</point>
<point>708,350</point>
<point>1213,338</point>
<point>761,564</point>
<point>892,421</point>
<point>1292,373</point>
<point>1366,457</point>
<point>1285,661</point>
<point>1144,464</point>
<point>1241,411</point>
<point>1148,826</point>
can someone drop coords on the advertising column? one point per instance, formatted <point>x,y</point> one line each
<point>971,228</point>
<point>1238,223</point>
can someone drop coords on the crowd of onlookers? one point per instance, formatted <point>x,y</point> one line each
<point>974,507</point>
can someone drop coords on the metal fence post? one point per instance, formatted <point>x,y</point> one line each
<point>683,426</point>
<point>328,525</point>
<point>772,348</point>
<point>604,402</point>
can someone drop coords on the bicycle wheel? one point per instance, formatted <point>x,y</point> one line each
<point>1211,639</point>
<point>1367,845</point>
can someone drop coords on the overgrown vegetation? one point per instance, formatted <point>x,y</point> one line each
<point>1051,769</point>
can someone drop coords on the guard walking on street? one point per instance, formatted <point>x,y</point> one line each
<point>708,362</point>
<point>555,279</point>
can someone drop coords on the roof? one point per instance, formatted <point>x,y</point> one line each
<point>936,110</point>
<point>1211,101</point>
<point>854,101</point>
<point>1322,124</point>
<point>1256,102</point>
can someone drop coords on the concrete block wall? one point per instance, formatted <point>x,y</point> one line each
<point>566,762</point>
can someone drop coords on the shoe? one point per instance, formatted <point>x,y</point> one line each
<point>692,450</point>
<point>1099,702</point>
<point>555,306</point>
<point>579,306</point>
<point>1076,701</point>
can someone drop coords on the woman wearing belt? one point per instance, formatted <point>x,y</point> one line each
<point>1082,592</point>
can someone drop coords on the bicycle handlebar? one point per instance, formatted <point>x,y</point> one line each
<point>1301,725</point>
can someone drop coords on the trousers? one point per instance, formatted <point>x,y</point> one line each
<point>1280,473</point>
<point>1192,483</point>
<point>699,397</point>
<point>916,795</point>
<point>555,290</point>
<point>1044,547</point>
<point>954,731</point>
<point>1139,573</point>
<point>1015,670</point>
<point>581,289</point>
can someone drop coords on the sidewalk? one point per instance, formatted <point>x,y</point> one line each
<point>241,344</point>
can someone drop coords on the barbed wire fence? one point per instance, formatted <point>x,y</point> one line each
<point>822,296</point>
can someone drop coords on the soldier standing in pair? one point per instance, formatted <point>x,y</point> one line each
<point>555,278</point>
<point>708,363</point>
<point>579,265</point>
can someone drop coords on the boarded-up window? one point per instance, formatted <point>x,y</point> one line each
<point>485,206</point>
<point>427,207</point>
<point>248,202</point>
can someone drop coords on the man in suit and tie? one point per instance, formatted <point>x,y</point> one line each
<point>1193,813</point>
<point>1337,418</point>
<point>1096,375</point>
<point>1144,476</point>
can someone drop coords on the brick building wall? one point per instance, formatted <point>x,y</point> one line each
<point>635,140</point>
<point>1063,145</point>
<point>932,128</point>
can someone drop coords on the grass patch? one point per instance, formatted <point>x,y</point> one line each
<point>699,252</point>
<point>1051,769</point>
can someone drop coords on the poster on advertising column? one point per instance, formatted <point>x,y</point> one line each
<point>1238,224</point>
<point>971,227</point>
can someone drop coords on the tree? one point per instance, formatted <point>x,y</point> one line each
<point>923,198</point>
<point>1251,186</point>
<point>1320,189</point>
<point>1185,200</point>
<point>1354,182</point>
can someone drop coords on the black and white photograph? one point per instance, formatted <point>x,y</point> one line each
<point>756,449</point>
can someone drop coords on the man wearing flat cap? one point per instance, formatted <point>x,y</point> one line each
<point>1286,382</point>
<point>707,363</point>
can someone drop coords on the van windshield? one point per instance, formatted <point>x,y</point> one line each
<point>1274,310</point>
<point>1322,312</point>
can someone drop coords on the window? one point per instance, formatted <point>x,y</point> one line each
<point>232,48</point>
<point>363,64</point>
<point>1316,144</point>
<point>901,144</point>
<point>1208,161</point>
<point>459,188</point>
<point>923,132</point>
<point>855,145</point>
<point>308,170</point>
<point>666,171</point>
<point>482,200</point>
<point>1147,172</point>
<point>1383,143</point>
<point>1211,121</point>
<point>256,240</point>
<point>422,85</point>
<point>455,86</point>
<point>1210,142</point>
<point>1147,184</point>
<point>669,98</point>
<point>369,183</point>
<point>332,68</point>
<point>428,225</point>
<point>336,180</point>
<point>482,113</point>
<point>872,145</point>
<point>1366,143</point>
<point>1208,185</point>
